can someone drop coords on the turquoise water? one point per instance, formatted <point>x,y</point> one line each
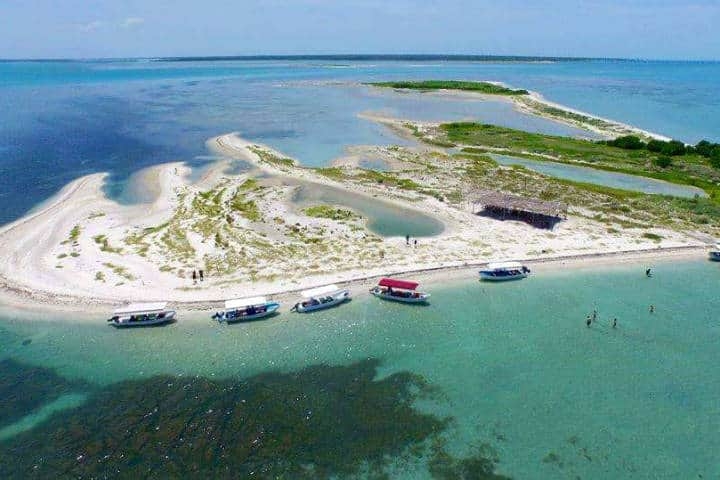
<point>383,218</point>
<point>513,365</point>
<point>599,177</point>
<point>488,377</point>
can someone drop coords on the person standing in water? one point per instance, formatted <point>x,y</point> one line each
<point>648,272</point>
<point>588,321</point>
<point>652,308</point>
<point>614,322</point>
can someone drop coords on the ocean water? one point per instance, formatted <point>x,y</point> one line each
<point>488,378</point>
<point>511,368</point>
<point>61,120</point>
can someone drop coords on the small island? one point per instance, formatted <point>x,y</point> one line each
<point>254,231</point>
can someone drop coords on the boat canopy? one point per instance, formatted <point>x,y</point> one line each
<point>402,284</point>
<point>244,302</point>
<point>316,292</point>
<point>141,308</point>
<point>505,266</point>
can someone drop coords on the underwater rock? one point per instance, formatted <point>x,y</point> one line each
<point>24,388</point>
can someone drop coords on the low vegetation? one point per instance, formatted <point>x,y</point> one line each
<point>487,88</point>
<point>328,211</point>
<point>271,158</point>
<point>689,168</point>
<point>102,240</point>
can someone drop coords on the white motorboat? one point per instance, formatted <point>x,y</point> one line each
<point>500,272</point>
<point>399,291</point>
<point>246,309</point>
<point>320,298</point>
<point>142,315</point>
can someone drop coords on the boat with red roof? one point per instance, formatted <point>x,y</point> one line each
<point>399,291</point>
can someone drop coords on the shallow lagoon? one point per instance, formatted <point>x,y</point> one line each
<point>383,218</point>
<point>513,364</point>
<point>600,177</point>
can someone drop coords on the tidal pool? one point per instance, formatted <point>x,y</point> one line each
<point>383,218</point>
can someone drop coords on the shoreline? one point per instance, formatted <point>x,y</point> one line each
<point>528,104</point>
<point>46,288</point>
<point>462,271</point>
<point>33,276</point>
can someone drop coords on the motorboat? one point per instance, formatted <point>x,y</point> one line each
<point>142,315</point>
<point>714,255</point>
<point>321,298</point>
<point>246,309</point>
<point>399,291</point>
<point>500,272</point>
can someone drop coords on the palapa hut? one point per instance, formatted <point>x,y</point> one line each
<point>533,211</point>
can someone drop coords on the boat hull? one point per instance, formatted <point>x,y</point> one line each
<point>168,318</point>
<point>271,309</point>
<point>714,256</point>
<point>489,277</point>
<point>421,299</point>
<point>337,300</point>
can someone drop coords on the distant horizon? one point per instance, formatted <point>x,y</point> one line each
<point>359,57</point>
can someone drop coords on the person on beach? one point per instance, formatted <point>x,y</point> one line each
<point>614,322</point>
<point>202,276</point>
<point>407,239</point>
<point>194,276</point>
<point>415,243</point>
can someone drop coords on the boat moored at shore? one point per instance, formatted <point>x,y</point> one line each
<point>399,291</point>
<point>246,309</point>
<point>321,298</point>
<point>142,315</point>
<point>500,272</point>
<point>714,254</point>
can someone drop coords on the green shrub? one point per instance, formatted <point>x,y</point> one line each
<point>662,161</point>
<point>628,142</point>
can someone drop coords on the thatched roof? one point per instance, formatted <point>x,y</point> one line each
<point>503,201</point>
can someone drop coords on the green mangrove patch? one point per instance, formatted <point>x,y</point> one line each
<point>487,88</point>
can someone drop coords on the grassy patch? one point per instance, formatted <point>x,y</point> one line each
<point>271,158</point>
<point>73,236</point>
<point>246,208</point>
<point>105,245</point>
<point>209,203</point>
<point>689,169</point>
<point>118,270</point>
<point>652,236</point>
<point>332,172</point>
<point>333,213</point>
